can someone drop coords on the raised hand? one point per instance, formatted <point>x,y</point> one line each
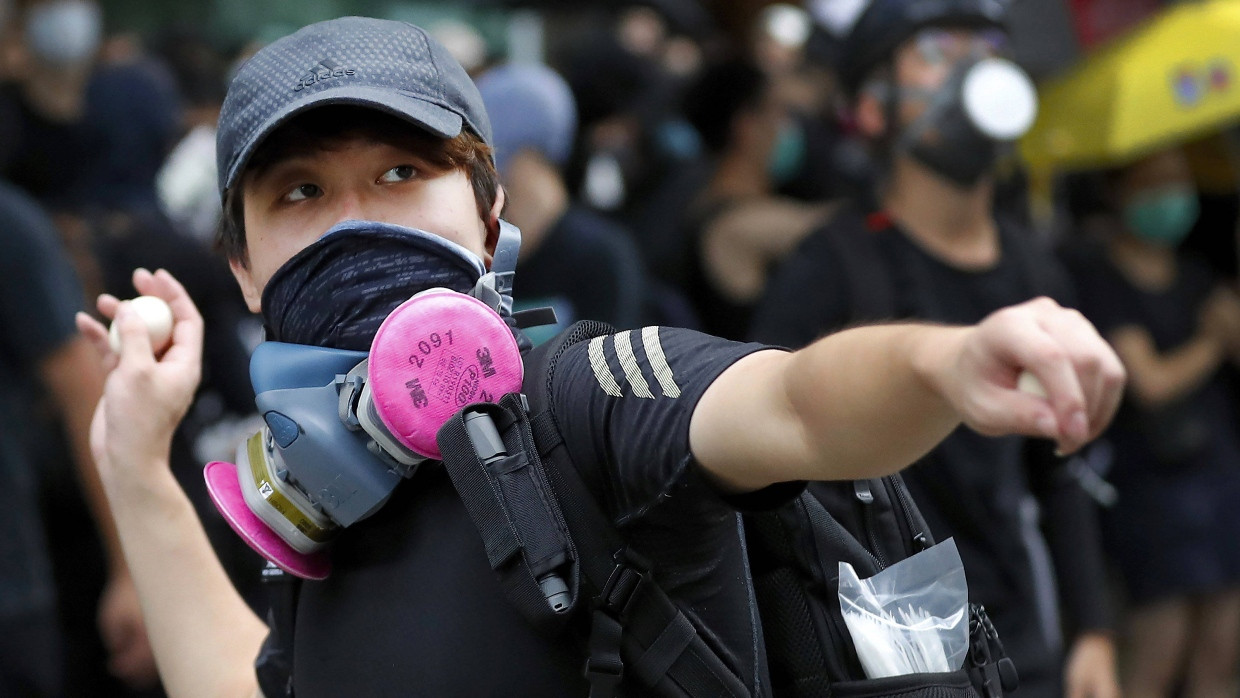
<point>1081,374</point>
<point>145,396</point>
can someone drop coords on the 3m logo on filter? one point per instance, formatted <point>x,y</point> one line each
<point>327,69</point>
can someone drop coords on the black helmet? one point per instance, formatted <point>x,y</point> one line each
<point>885,24</point>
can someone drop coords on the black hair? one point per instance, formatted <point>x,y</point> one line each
<point>723,91</point>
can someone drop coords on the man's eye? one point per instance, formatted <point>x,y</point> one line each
<point>400,173</point>
<point>304,191</point>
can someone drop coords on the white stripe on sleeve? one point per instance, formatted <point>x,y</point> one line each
<point>624,350</point>
<point>602,372</point>
<point>658,362</point>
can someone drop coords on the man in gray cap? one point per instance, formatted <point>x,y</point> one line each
<point>366,129</point>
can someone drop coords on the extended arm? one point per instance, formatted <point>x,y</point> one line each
<point>204,636</point>
<point>871,400</point>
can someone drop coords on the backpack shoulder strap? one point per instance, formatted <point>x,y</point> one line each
<point>539,516</point>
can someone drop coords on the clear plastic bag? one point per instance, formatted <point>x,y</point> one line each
<point>912,617</point>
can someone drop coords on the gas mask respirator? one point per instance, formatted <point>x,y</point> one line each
<point>985,105</point>
<point>409,329</point>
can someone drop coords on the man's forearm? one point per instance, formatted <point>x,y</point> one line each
<point>859,403</point>
<point>204,636</point>
<point>867,399</point>
<point>1162,378</point>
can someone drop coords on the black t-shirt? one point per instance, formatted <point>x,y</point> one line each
<point>969,487</point>
<point>810,294</point>
<point>413,607</point>
<point>108,158</point>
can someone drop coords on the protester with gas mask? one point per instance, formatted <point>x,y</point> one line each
<point>356,172</point>
<point>939,106</point>
<point>1176,445</point>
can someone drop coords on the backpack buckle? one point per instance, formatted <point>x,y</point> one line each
<point>604,670</point>
<point>625,579</point>
<point>604,667</point>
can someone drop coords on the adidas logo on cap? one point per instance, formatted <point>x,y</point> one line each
<point>326,69</point>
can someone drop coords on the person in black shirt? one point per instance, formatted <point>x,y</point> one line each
<point>1176,443</point>
<point>936,251</point>
<point>368,119</point>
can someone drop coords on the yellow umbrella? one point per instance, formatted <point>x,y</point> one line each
<point>1175,78</point>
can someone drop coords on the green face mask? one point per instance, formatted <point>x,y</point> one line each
<point>1163,216</point>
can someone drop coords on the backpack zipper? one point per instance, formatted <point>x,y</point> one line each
<point>920,540</point>
<point>861,488</point>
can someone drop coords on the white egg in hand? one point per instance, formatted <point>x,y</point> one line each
<point>158,318</point>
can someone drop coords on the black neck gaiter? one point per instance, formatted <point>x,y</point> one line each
<point>336,292</point>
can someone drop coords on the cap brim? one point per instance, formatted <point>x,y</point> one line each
<point>419,112</point>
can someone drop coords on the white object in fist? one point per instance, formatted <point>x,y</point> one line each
<point>158,318</point>
<point>1029,383</point>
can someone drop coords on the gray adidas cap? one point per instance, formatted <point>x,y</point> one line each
<point>391,66</point>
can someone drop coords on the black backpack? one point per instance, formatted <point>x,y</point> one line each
<point>559,557</point>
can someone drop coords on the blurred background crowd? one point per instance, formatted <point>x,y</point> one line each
<point>761,171</point>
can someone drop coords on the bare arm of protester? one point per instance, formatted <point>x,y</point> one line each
<point>744,243</point>
<point>1158,378</point>
<point>204,636</point>
<point>75,382</point>
<point>871,400</point>
<point>1090,669</point>
<point>1221,318</point>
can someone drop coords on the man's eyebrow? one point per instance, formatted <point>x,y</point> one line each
<point>281,166</point>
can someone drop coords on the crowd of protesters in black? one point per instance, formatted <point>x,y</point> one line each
<point>664,172</point>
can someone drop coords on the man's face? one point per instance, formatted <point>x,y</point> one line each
<point>920,66</point>
<point>924,63</point>
<point>292,203</point>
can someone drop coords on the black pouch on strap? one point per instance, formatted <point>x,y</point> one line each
<point>489,453</point>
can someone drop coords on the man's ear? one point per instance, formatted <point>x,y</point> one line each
<point>249,290</point>
<point>870,116</point>
<point>492,225</point>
